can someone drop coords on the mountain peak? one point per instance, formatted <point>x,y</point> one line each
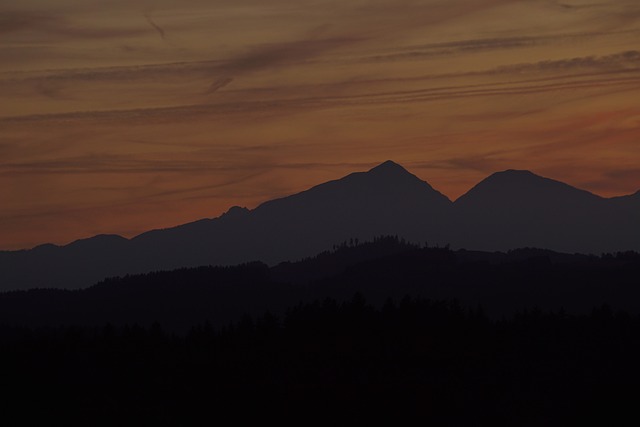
<point>235,212</point>
<point>388,167</point>
<point>515,174</point>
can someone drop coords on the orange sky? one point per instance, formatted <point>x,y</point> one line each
<point>122,116</point>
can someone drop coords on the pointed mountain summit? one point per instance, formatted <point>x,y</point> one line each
<point>386,200</point>
<point>387,182</point>
<point>389,168</point>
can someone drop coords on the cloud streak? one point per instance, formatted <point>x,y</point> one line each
<point>611,71</point>
<point>155,26</point>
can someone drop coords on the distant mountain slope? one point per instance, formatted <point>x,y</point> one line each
<point>507,210</point>
<point>524,189</point>
<point>77,264</point>
<point>518,208</point>
<point>385,200</point>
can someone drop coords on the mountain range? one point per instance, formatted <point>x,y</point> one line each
<point>508,210</point>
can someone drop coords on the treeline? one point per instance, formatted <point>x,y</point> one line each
<point>433,361</point>
<point>502,283</point>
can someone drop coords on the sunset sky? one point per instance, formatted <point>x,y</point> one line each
<point>119,116</point>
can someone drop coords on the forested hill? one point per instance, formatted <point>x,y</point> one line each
<point>414,360</point>
<point>374,332</point>
<point>501,283</point>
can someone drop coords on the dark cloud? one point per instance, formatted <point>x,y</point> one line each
<point>18,21</point>
<point>264,57</point>
<point>419,52</point>
<point>458,47</point>
<point>277,54</point>
<point>110,164</point>
<point>58,24</point>
<point>218,84</point>
<point>155,26</point>
<point>629,58</point>
<point>221,72</point>
<point>176,113</point>
<point>615,78</point>
<point>52,90</point>
<point>631,174</point>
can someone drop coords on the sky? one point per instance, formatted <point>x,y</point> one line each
<point>120,116</point>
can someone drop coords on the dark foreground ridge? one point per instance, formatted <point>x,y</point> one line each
<point>413,359</point>
<point>508,210</point>
<point>383,331</point>
<point>388,267</point>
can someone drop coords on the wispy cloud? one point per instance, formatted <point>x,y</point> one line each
<point>617,71</point>
<point>19,20</point>
<point>479,45</point>
<point>624,60</point>
<point>155,26</point>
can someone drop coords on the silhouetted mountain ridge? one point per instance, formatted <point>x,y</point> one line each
<point>519,208</point>
<point>507,210</point>
<point>518,186</point>
<point>386,182</point>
